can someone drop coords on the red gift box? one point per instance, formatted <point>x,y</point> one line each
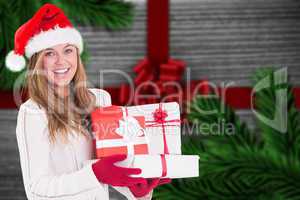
<point>117,133</point>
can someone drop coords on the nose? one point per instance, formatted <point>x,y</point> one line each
<point>59,59</point>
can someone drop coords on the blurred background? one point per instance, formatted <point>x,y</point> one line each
<point>219,41</point>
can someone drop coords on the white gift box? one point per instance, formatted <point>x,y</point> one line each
<point>177,166</point>
<point>154,130</point>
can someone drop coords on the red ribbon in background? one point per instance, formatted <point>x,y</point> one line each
<point>235,97</point>
<point>158,67</point>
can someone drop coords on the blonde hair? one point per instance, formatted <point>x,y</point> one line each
<point>75,107</point>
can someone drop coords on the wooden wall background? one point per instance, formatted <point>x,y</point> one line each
<point>221,40</point>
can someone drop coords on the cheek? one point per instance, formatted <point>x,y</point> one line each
<point>47,67</point>
<point>48,62</point>
<point>72,60</point>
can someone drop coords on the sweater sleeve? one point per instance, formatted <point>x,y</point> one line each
<point>39,178</point>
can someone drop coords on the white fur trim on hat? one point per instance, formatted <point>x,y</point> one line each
<point>52,37</point>
<point>14,62</point>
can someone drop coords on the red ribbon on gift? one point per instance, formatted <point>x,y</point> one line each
<point>159,116</point>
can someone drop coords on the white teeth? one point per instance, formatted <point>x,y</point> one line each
<point>61,71</point>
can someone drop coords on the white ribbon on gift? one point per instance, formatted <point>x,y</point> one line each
<point>130,130</point>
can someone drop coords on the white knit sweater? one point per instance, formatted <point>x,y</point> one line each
<point>58,172</point>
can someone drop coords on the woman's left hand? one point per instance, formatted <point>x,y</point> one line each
<point>142,189</point>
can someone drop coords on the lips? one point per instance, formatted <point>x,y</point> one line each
<point>61,71</point>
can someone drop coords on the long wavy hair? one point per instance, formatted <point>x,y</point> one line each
<point>66,115</point>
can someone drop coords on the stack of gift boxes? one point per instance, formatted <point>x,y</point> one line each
<point>149,134</point>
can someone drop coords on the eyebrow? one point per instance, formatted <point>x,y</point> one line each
<point>49,49</point>
<point>68,45</point>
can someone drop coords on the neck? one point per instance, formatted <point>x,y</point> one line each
<point>63,91</point>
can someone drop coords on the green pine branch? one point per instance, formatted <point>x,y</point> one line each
<point>8,25</point>
<point>24,9</point>
<point>110,14</point>
<point>242,165</point>
<point>234,132</point>
<point>286,144</point>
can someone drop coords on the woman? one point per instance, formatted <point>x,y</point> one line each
<point>53,138</point>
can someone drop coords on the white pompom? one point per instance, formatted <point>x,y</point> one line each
<point>14,62</point>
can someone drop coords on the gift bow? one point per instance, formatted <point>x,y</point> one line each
<point>160,115</point>
<point>129,128</point>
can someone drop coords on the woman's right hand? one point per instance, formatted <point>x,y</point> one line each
<point>108,173</point>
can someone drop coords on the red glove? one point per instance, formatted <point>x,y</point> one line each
<point>108,173</point>
<point>142,189</point>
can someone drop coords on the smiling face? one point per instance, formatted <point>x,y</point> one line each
<point>60,64</point>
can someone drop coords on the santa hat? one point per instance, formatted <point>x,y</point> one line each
<point>48,27</point>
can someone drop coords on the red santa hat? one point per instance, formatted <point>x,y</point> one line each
<point>48,27</point>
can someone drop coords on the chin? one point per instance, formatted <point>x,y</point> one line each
<point>62,83</point>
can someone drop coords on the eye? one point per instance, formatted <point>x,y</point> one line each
<point>69,50</point>
<point>49,53</point>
